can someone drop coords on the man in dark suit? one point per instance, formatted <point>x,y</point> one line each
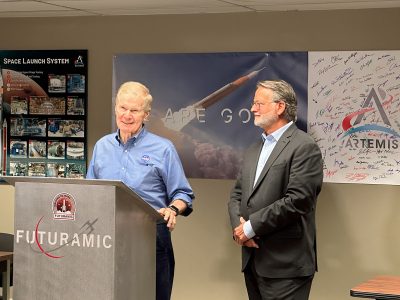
<point>272,205</point>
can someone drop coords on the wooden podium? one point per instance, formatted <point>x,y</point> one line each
<point>82,239</point>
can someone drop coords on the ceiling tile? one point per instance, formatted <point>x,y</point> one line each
<point>55,8</point>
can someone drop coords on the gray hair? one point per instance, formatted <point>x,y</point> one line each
<point>135,90</point>
<point>282,91</point>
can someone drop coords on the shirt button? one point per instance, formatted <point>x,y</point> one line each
<point>123,169</point>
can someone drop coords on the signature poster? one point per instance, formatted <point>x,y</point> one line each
<point>354,114</point>
<point>202,101</point>
<point>43,113</point>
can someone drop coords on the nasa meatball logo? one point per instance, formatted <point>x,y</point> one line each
<point>146,158</point>
<point>64,207</point>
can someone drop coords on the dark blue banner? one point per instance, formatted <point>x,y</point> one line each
<point>202,101</point>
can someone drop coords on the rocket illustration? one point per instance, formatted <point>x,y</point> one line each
<point>2,154</point>
<point>64,207</point>
<point>1,95</point>
<point>225,90</point>
<point>4,148</point>
<point>181,118</point>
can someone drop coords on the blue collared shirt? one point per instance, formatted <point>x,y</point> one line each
<point>147,163</point>
<point>269,145</point>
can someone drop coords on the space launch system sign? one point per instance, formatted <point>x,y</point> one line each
<point>43,107</point>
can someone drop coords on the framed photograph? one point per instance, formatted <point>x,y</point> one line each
<point>37,149</point>
<point>39,105</point>
<point>75,106</point>
<point>18,149</point>
<point>19,105</point>
<point>55,170</point>
<point>18,168</point>
<point>56,83</point>
<point>37,169</point>
<point>28,127</point>
<point>75,170</point>
<point>76,83</point>
<point>66,128</point>
<point>55,150</point>
<point>75,150</point>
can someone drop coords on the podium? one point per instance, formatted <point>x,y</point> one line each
<point>82,239</point>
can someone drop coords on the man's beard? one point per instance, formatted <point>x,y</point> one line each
<point>265,121</point>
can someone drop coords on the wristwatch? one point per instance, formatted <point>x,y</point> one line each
<point>174,208</point>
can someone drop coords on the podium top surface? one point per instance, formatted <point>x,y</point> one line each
<point>380,287</point>
<point>13,179</point>
<point>16,179</point>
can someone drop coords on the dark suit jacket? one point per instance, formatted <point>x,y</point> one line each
<point>281,206</point>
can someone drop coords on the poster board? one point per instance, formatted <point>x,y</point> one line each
<point>353,114</point>
<point>44,113</point>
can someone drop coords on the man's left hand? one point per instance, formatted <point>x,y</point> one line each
<point>170,215</point>
<point>238,233</point>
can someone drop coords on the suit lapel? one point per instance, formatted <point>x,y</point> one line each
<point>255,153</point>
<point>282,143</point>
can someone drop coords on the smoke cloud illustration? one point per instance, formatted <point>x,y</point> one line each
<point>217,162</point>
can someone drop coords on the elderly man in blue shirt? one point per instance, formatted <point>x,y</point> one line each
<point>148,164</point>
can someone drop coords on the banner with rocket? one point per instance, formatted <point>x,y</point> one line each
<point>202,101</point>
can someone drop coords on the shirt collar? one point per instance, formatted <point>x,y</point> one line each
<point>131,139</point>
<point>276,135</point>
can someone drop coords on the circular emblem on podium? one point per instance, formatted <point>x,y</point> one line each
<point>64,207</point>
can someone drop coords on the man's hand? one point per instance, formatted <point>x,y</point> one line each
<point>169,217</point>
<point>238,233</point>
<point>241,238</point>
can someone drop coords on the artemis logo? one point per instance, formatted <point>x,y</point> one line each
<point>372,103</point>
<point>79,62</point>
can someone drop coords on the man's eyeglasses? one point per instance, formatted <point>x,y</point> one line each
<point>258,105</point>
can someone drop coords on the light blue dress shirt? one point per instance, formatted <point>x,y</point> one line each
<point>147,163</point>
<point>269,145</point>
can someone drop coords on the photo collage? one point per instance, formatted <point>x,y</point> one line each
<point>46,133</point>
